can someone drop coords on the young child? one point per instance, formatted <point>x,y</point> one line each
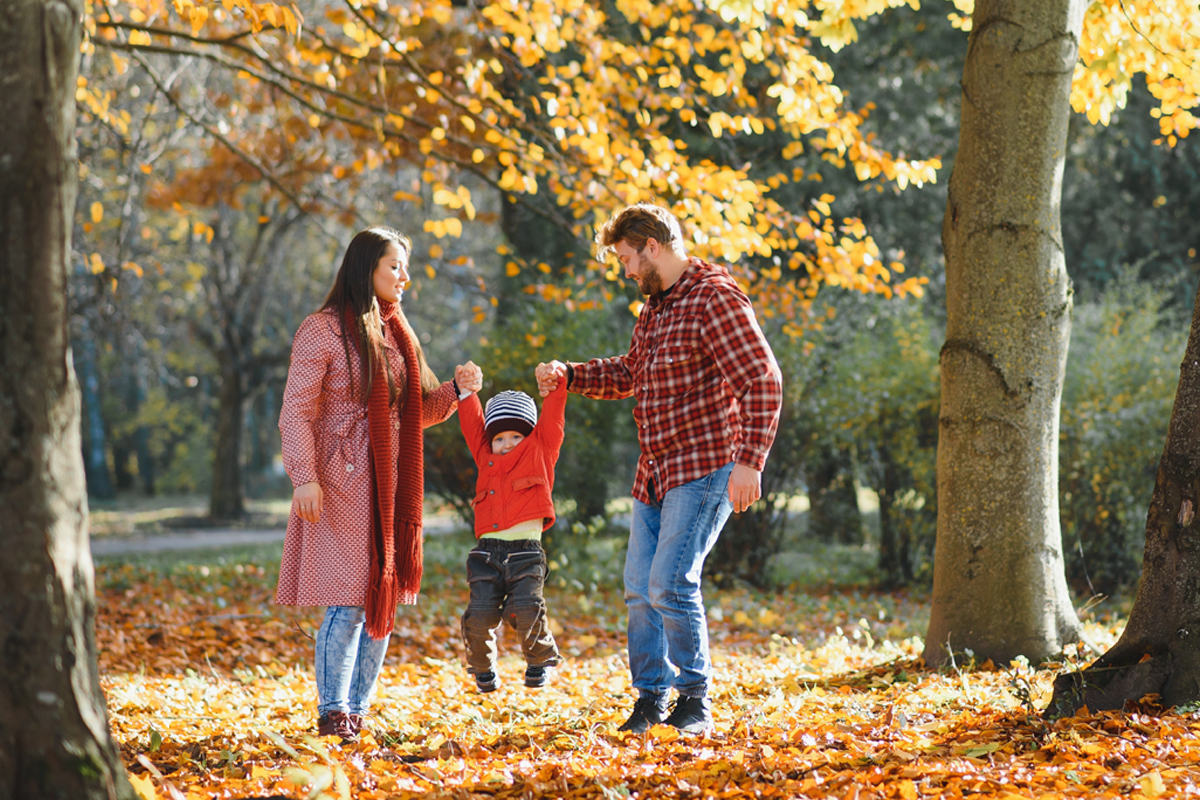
<point>516,454</point>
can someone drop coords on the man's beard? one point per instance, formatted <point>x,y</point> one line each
<point>651,281</point>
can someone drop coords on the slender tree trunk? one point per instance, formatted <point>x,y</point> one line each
<point>141,436</point>
<point>999,586</point>
<point>833,512</point>
<point>1159,651</point>
<point>227,496</point>
<point>54,737</point>
<point>98,482</point>
<point>893,555</point>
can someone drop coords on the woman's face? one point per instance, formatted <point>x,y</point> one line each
<point>391,274</point>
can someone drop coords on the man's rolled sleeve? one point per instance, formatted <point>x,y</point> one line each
<point>602,378</point>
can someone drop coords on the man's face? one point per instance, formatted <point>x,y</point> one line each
<point>640,268</point>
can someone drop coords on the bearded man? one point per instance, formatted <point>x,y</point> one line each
<point>709,392</point>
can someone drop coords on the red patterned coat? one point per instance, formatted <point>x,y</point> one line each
<point>325,439</point>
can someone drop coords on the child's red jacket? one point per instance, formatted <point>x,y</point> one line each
<point>517,486</point>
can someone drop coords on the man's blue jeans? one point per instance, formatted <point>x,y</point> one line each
<point>348,661</point>
<point>668,542</point>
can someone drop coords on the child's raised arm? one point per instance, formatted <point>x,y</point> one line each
<point>550,427</point>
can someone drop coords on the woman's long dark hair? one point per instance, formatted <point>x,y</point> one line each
<point>353,297</point>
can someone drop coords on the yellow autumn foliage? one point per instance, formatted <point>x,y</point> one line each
<point>575,107</point>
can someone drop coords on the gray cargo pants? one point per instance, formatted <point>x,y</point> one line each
<point>506,581</point>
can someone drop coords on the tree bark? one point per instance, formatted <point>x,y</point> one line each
<point>999,587</point>
<point>1159,651</point>
<point>54,736</point>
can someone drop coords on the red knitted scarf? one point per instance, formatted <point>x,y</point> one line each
<point>396,553</point>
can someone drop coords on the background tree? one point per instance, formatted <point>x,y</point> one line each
<point>54,736</point>
<point>1002,362</point>
<point>999,587</point>
<point>1159,651</point>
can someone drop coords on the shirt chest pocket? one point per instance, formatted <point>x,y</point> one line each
<point>673,370</point>
<point>520,488</point>
<point>529,482</point>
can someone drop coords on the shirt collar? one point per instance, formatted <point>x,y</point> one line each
<point>683,285</point>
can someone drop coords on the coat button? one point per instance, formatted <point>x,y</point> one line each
<point>491,491</point>
<point>495,525</point>
<point>349,468</point>
<point>489,463</point>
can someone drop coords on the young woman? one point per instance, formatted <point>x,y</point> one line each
<point>359,394</point>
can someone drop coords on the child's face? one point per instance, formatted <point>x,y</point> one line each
<point>506,440</point>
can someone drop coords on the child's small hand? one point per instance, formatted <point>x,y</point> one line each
<point>469,377</point>
<point>548,376</point>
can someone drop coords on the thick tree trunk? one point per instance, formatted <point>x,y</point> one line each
<point>999,587</point>
<point>226,501</point>
<point>54,737</point>
<point>1159,651</point>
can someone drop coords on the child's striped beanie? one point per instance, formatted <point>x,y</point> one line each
<point>509,411</point>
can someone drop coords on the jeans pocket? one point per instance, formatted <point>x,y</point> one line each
<point>481,567</point>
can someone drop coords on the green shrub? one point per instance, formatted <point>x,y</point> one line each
<point>880,397</point>
<point>1122,372</point>
<point>860,406</point>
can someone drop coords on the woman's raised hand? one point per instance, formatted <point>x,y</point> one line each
<point>469,377</point>
<point>308,501</point>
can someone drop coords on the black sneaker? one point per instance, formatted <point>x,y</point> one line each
<point>690,715</point>
<point>537,677</point>
<point>648,711</point>
<point>486,682</point>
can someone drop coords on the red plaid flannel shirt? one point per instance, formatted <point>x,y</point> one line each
<point>707,385</point>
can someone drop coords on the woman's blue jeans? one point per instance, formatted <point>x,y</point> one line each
<point>668,542</point>
<point>348,661</point>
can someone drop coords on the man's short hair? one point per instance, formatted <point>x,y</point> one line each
<point>637,223</point>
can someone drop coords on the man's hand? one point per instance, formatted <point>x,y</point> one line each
<point>745,487</point>
<point>548,376</point>
<point>469,377</point>
<point>309,501</point>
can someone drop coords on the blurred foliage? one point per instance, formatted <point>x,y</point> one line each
<point>871,392</point>
<point>1120,386</point>
<point>1127,200</point>
<point>886,380</point>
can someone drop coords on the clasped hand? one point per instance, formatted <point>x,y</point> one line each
<point>548,376</point>
<point>469,377</point>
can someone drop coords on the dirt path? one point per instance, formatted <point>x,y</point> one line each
<point>207,538</point>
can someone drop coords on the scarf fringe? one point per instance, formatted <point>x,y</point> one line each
<point>410,558</point>
<point>382,597</point>
<point>400,583</point>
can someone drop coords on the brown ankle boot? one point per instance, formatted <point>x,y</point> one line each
<point>337,723</point>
